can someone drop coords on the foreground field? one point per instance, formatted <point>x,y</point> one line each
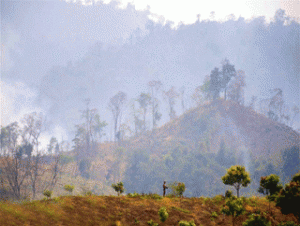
<point>124,210</point>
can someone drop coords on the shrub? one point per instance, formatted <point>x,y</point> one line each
<point>214,214</point>
<point>151,223</point>
<point>84,167</point>
<point>69,188</point>
<point>178,188</point>
<point>119,188</point>
<point>47,193</point>
<point>65,159</point>
<point>186,223</point>
<point>234,207</point>
<point>296,178</point>
<point>163,214</point>
<point>132,195</point>
<point>257,220</point>
<point>289,198</point>
<point>228,194</point>
<point>270,186</point>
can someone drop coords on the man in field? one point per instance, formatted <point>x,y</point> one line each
<point>164,187</point>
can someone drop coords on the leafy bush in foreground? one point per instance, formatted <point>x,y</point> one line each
<point>257,220</point>
<point>163,214</point>
<point>186,223</point>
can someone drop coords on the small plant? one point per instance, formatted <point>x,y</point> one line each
<point>228,194</point>
<point>257,220</point>
<point>47,193</point>
<point>187,223</point>
<point>180,189</point>
<point>136,221</point>
<point>234,208</point>
<point>132,195</point>
<point>214,214</point>
<point>151,223</point>
<point>69,188</point>
<point>163,214</point>
<point>119,188</point>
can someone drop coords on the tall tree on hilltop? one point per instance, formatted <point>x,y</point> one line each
<point>228,71</point>
<point>155,86</point>
<point>116,105</point>
<point>170,96</point>
<point>144,100</point>
<point>236,88</point>
<point>215,84</point>
<point>202,93</point>
<point>276,105</point>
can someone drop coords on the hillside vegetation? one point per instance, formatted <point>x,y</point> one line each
<point>137,210</point>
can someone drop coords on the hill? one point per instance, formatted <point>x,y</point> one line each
<point>198,147</point>
<point>138,210</point>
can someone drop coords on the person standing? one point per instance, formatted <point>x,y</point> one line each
<point>164,187</point>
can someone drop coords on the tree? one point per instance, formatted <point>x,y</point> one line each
<point>236,176</point>
<point>182,90</point>
<point>202,93</point>
<point>228,72</point>
<point>13,167</point>
<point>288,199</point>
<point>144,100</point>
<point>119,187</point>
<point>291,161</point>
<point>215,84</point>
<point>233,207</point>
<point>116,104</point>
<point>270,186</point>
<point>236,88</point>
<point>155,86</point>
<point>170,96</point>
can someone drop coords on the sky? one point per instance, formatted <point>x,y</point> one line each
<point>187,11</point>
<point>38,36</point>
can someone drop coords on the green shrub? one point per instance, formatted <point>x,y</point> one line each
<point>214,214</point>
<point>177,189</point>
<point>257,220</point>
<point>151,223</point>
<point>228,194</point>
<point>47,193</point>
<point>288,198</point>
<point>234,207</point>
<point>163,214</point>
<point>119,188</point>
<point>186,223</point>
<point>154,196</point>
<point>132,195</point>
<point>69,188</point>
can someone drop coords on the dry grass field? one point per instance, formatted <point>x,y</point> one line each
<point>125,210</point>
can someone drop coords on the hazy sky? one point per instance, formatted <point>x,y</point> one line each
<point>187,11</point>
<point>37,36</point>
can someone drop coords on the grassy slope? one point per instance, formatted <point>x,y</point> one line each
<point>112,210</point>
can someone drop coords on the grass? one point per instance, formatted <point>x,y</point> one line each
<point>124,210</point>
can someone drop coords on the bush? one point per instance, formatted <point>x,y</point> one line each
<point>163,214</point>
<point>47,193</point>
<point>289,198</point>
<point>132,195</point>
<point>178,188</point>
<point>69,188</point>
<point>186,223</point>
<point>119,188</point>
<point>214,214</point>
<point>84,167</point>
<point>151,223</point>
<point>257,220</point>
<point>228,194</point>
<point>234,207</point>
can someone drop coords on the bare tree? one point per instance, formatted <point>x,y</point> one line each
<point>155,86</point>
<point>13,167</point>
<point>170,96</point>
<point>116,104</point>
<point>144,100</point>
<point>236,88</point>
